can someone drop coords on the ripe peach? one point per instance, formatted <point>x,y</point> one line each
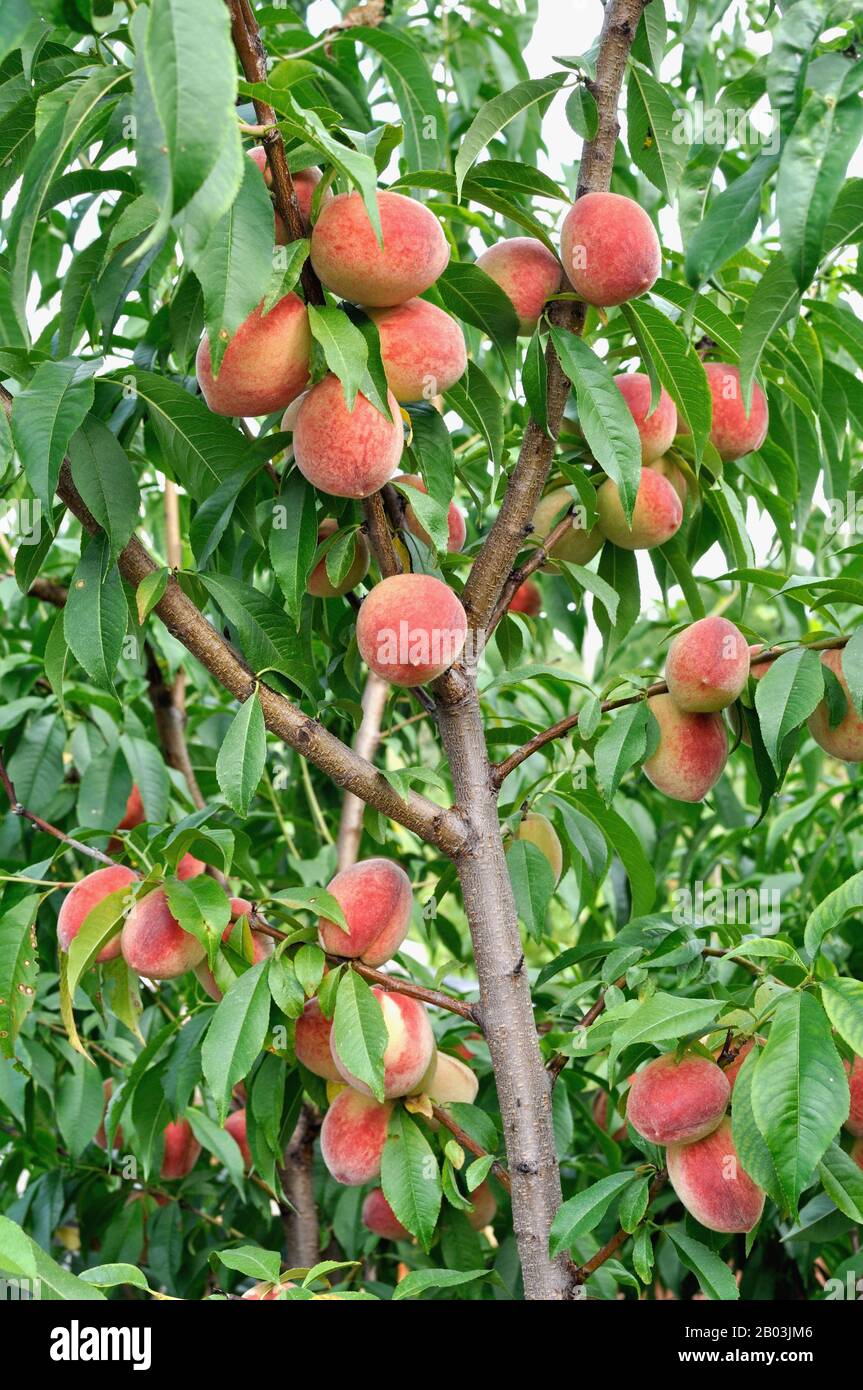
<point>455,520</point>
<point>656,431</point>
<point>153,942</point>
<point>710,1181</point>
<point>609,248</point>
<point>857,1152</point>
<point>235,1124</point>
<point>86,895</point>
<point>707,665</point>
<point>674,474</point>
<point>266,363</point>
<point>577,546</point>
<point>733,1069</point>
<point>267,1293</point>
<point>657,515</point>
<point>289,419</point>
<point>422,348</point>
<point>409,1049</point>
<point>410,629</point>
<point>349,260</point>
<point>540,831</point>
<point>845,739</point>
<point>526,599</point>
<point>448,1080</point>
<point>854,1123</point>
<point>484,1207</point>
<point>353,1135</point>
<point>134,813</point>
<point>380,1218</point>
<point>733,432</point>
<point>181,1150</point>
<point>691,753</point>
<point>101,1137</point>
<point>600,1115</point>
<point>528,274</point>
<point>319,583</point>
<point>346,453</point>
<point>677,1102</point>
<point>189,867</point>
<point>312,1042</point>
<point>376,901</point>
<point>305,182</point>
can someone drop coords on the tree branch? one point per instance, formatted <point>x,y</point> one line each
<point>535,561</point>
<point>44,825</point>
<point>366,743</point>
<point>300,1217</point>
<point>443,1117</point>
<point>584,1271</point>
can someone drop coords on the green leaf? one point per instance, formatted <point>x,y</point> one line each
<point>716,1279</point>
<point>843,1182</point>
<point>603,415</point>
<point>799,1092</point>
<point>113,1275</point>
<point>45,415</point>
<point>269,640</point>
<point>104,477</point>
<point>410,1176</point>
<point>150,590</point>
<point>294,539</point>
<point>19,968</point>
<point>97,929</point>
<point>582,1213</point>
<point>219,1142</point>
<point>468,292</point>
<point>677,364</point>
<point>843,1000</point>
<point>236,1035</point>
<point>534,380</point>
<point>786,696</point>
<point>533,884</point>
<point>202,908</point>
<point>664,1018</point>
<point>623,744</point>
<point>96,615</point>
<point>242,756</point>
<point>814,160</point>
<point>498,112</point>
<point>360,1034</point>
<point>748,1139</point>
<point>729,223</point>
<point>414,89</point>
<point>774,300</point>
<point>344,347</point>
<point>417,1281</point>
<point>80,1102</point>
<point>263,1265</point>
<point>582,112</point>
<point>653,131</point>
<point>479,405</point>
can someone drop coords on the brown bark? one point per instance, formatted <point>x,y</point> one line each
<point>366,745</point>
<point>300,1217</point>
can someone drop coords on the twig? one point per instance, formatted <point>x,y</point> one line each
<point>445,1118</point>
<point>380,537</point>
<point>44,825</point>
<point>522,572</point>
<point>612,1246</point>
<point>366,745</point>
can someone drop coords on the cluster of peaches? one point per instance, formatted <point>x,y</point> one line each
<point>681,1104</point>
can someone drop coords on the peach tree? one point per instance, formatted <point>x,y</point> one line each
<point>432,680</point>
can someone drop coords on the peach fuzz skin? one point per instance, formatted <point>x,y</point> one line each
<point>348,259</point>
<point>528,274</point>
<point>410,629</point>
<point>845,739</point>
<point>656,516</point>
<point>86,895</point>
<point>134,813</point>
<point>609,249</point>
<point>409,1050</point>
<point>677,1102</point>
<point>376,901</point>
<point>346,453</point>
<point>707,665</point>
<point>854,1123</point>
<point>353,1135</point>
<point>691,753</point>
<point>710,1181</point>
<point>154,944</point>
<point>455,521</point>
<point>380,1219</point>
<point>655,431</point>
<point>318,583</point>
<point>540,831</point>
<point>235,1124</point>
<point>448,1080</point>
<point>181,1150</point>
<point>266,363</point>
<point>527,599</point>
<point>576,545</point>
<point>312,1042</point>
<point>734,433</point>
<point>422,349</point>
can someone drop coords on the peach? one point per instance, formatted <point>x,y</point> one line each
<point>409,1049</point>
<point>410,629</point>
<point>422,348</point>
<point>528,274</point>
<point>181,1150</point>
<point>857,1152</point>
<point>153,942</point>
<point>376,901</point>
<point>691,753</point>
<point>267,1293</point>
<point>657,430</point>
<point>346,453</point>
<point>484,1207</point>
<point>350,261</point>
<point>380,1218</point>
<point>527,599</point>
<point>455,520</point>
<point>600,1116</point>
<point>319,583</point>
<point>540,831</point>
<point>134,813</point>
<point>312,1042</point>
<point>577,546</point>
<point>189,867</point>
<point>656,517</point>
<point>101,1137</point>
<point>262,948</point>
<point>732,1071</point>
<point>854,1123</point>
<point>710,1181</point>
<point>266,363</point>
<point>675,476</point>
<point>289,419</point>
<point>845,739</point>
<point>609,248</point>
<point>677,1102</point>
<point>733,432</point>
<point>448,1080</point>
<point>707,665</point>
<point>86,895</point>
<point>305,182</point>
<point>353,1135</point>
<point>235,1124</point>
